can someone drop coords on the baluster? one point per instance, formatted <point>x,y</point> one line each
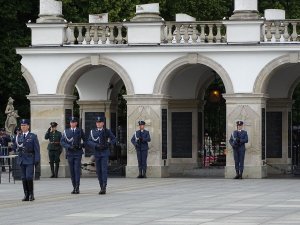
<point>170,35</point>
<point>194,35</point>
<point>210,35</point>
<point>80,37</point>
<point>186,35</point>
<point>96,37</point>
<point>286,34</point>
<point>178,35</point>
<point>277,33</point>
<point>268,28</point>
<point>87,35</point>
<point>218,36</point>
<point>71,38</point>
<point>103,34</point>
<point>163,36</point>
<point>202,35</point>
<point>294,34</point>
<point>66,35</point>
<point>111,34</point>
<point>119,37</point>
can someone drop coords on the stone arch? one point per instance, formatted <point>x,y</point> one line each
<point>262,80</point>
<point>73,72</point>
<point>30,80</point>
<point>165,75</point>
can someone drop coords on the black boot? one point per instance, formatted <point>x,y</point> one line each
<point>140,174</point>
<point>237,176</point>
<point>103,190</point>
<point>56,170</point>
<point>30,190</point>
<point>144,174</point>
<point>77,189</point>
<point>241,175</point>
<point>25,188</point>
<point>52,170</point>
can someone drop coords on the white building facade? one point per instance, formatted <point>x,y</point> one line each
<point>166,68</point>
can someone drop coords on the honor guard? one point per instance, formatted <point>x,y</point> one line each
<point>99,140</point>
<point>54,148</point>
<point>4,139</point>
<point>27,146</point>
<point>140,141</point>
<point>71,141</point>
<point>237,140</point>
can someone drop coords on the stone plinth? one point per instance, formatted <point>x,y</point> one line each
<point>45,109</point>
<point>274,14</point>
<point>98,18</point>
<point>181,17</point>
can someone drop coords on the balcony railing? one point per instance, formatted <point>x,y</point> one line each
<point>95,34</point>
<point>281,31</point>
<point>193,32</point>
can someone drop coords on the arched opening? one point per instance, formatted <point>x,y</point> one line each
<point>281,84</point>
<point>99,91</point>
<point>195,100</point>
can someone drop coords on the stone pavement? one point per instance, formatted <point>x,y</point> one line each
<point>154,201</point>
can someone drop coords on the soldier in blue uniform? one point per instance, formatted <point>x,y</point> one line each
<point>4,139</point>
<point>140,141</point>
<point>54,148</point>
<point>71,141</point>
<point>27,146</point>
<point>99,140</point>
<point>237,140</point>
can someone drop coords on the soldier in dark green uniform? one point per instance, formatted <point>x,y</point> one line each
<point>54,148</point>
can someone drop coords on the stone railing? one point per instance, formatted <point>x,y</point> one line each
<point>281,31</point>
<point>85,34</point>
<point>193,32</point>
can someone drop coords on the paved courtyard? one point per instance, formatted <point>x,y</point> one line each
<point>154,201</point>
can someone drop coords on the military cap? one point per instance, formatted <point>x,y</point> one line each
<point>2,129</point>
<point>53,124</point>
<point>239,123</point>
<point>141,122</point>
<point>25,121</point>
<point>73,119</point>
<point>100,119</point>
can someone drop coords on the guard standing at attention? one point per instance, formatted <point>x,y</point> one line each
<point>54,148</point>
<point>99,140</point>
<point>140,141</point>
<point>27,146</point>
<point>71,141</point>
<point>237,140</point>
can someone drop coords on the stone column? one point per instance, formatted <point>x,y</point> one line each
<point>147,108</point>
<point>245,10</point>
<point>46,109</point>
<point>251,109</point>
<point>283,164</point>
<point>179,165</point>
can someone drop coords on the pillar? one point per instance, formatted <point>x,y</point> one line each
<point>148,108</point>
<point>251,109</point>
<point>46,109</point>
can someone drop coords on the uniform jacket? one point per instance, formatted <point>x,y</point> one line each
<point>238,139</point>
<point>54,140</point>
<point>28,149</point>
<point>98,141</point>
<point>140,140</point>
<point>72,142</point>
<point>4,140</point>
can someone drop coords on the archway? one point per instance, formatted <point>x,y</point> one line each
<point>187,81</point>
<point>278,80</point>
<point>100,89</point>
